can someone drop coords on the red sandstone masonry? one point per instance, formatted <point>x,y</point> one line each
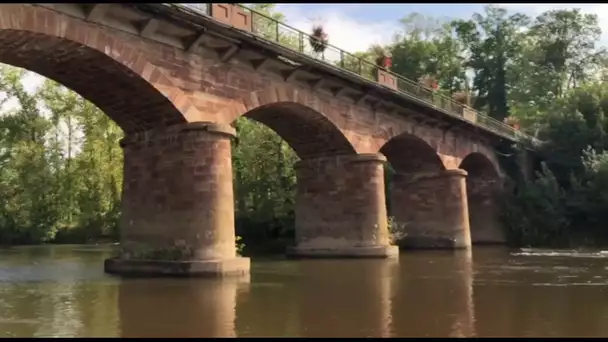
<point>98,63</point>
<point>176,87</point>
<point>178,183</point>
<point>340,203</point>
<point>178,193</point>
<point>483,189</point>
<point>433,208</point>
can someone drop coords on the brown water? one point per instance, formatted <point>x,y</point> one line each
<point>62,291</point>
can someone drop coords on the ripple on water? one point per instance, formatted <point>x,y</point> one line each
<point>560,253</point>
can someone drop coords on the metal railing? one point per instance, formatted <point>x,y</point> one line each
<point>299,41</point>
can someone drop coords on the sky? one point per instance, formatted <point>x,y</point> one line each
<point>354,27</point>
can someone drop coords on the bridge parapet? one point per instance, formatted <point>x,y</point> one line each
<point>289,37</point>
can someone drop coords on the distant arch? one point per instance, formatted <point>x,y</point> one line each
<point>309,133</point>
<point>99,66</point>
<point>409,154</point>
<point>483,184</point>
<point>477,165</point>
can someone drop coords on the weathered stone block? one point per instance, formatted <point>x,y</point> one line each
<point>433,208</point>
<point>340,207</point>
<point>171,216</point>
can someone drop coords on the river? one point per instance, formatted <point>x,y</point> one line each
<point>62,291</point>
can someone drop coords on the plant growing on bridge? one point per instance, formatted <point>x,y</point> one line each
<point>429,82</point>
<point>512,121</point>
<point>384,58</point>
<point>318,39</point>
<point>396,230</point>
<point>240,245</point>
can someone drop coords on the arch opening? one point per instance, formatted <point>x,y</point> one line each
<point>67,140</point>
<point>308,132</point>
<point>478,165</point>
<point>408,157</point>
<point>271,140</point>
<point>127,98</point>
<point>483,182</point>
<point>61,163</point>
<point>408,154</point>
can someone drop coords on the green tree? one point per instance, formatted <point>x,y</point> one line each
<point>492,41</point>
<point>427,47</point>
<point>267,25</point>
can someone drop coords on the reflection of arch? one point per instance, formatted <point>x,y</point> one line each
<point>409,154</point>
<point>101,68</point>
<point>307,131</point>
<point>483,181</point>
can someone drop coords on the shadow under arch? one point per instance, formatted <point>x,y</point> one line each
<point>411,189</point>
<point>102,69</point>
<point>408,154</point>
<point>309,133</point>
<point>483,184</point>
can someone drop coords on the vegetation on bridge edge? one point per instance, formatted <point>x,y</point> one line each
<point>61,166</point>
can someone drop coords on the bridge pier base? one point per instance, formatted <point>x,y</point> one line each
<point>178,208</point>
<point>340,208</point>
<point>433,208</point>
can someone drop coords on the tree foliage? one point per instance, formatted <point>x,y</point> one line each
<point>61,168</point>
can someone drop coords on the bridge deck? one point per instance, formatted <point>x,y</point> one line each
<point>293,44</point>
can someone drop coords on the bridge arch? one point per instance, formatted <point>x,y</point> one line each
<point>483,183</point>
<point>409,158</point>
<point>477,165</point>
<point>108,72</point>
<point>339,203</point>
<point>308,132</point>
<point>318,145</point>
<point>409,154</point>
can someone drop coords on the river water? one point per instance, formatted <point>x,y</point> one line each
<point>62,291</point>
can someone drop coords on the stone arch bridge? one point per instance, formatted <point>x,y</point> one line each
<point>175,79</point>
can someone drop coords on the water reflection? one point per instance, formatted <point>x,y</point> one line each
<point>435,297</point>
<point>62,291</point>
<point>179,307</point>
<point>346,298</point>
<point>57,291</point>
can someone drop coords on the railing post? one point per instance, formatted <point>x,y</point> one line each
<point>277,31</point>
<point>342,59</point>
<point>301,42</point>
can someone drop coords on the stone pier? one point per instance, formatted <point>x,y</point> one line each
<point>433,209</point>
<point>178,203</point>
<point>486,227</point>
<point>340,208</point>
